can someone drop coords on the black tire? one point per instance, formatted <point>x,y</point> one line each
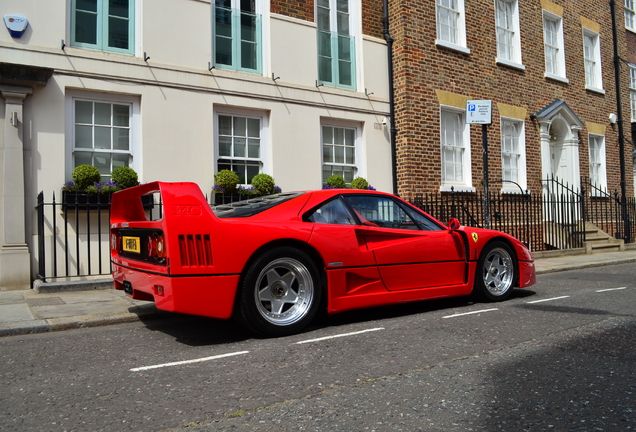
<point>280,293</point>
<point>495,276</point>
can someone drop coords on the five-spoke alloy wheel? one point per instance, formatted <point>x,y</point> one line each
<point>495,272</point>
<point>280,292</point>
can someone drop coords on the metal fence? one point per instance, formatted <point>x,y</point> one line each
<point>73,233</point>
<point>554,219</point>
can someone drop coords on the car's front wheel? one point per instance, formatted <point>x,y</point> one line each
<point>495,272</point>
<point>280,293</point>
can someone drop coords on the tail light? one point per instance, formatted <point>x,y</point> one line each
<point>115,241</point>
<point>156,246</point>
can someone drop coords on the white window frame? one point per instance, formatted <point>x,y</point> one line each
<point>632,90</point>
<point>510,26</point>
<point>600,162</point>
<point>134,150</point>
<point>556,44</point>
<point>521,156</point>
<point>264,159</point>
<point>358,171</point>
<point>443,7</point>
<point>630,15</point>
<point>464,133</point>
<point>592,60</point>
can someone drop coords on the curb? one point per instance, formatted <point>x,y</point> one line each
<point>76,322</point>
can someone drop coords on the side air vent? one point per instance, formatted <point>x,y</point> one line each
<point>195,250</point>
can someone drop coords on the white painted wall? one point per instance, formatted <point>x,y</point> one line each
<point>178,96</point>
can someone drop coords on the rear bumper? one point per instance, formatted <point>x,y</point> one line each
<point>210,296</point>
<point>527,274</point>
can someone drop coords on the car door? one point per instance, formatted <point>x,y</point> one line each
<point>411,250</point>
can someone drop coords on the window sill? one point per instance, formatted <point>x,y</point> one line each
<point>511,64</point>
<point>452,46</point>
<point>594,89</point>
<point>456,188</point>
<point>514,192</point>
<point>556,78</point>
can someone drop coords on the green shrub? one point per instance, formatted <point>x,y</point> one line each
<point>227,180</point>
<point>337,182</point>
<point>360,183</point>
<point>264,184</point>
<point>85,175</point>
<point>125,176</point>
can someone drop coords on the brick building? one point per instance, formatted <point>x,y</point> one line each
<point>545,65</point>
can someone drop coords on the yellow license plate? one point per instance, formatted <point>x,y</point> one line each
<point>131,244</point>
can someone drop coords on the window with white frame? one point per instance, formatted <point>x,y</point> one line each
<point>592,59</point>
<point>632,90</point>
<point>451,24</point>
<point>455,142</point>
<point>338,152</point>
<point>335,20</point>
<point>508,40</point>
<point>105,25</point>
<point>513,163</point>
<point>102,133</point>
<point>630,15</point>
<point>240,144</point>
<point>597,163</point>
<point>553,46</point>
<point>237,38</point>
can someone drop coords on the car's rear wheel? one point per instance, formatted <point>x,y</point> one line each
<point>495,273</point>
<point>280,292</point>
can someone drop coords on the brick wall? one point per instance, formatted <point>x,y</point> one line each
<point>304,10</point>
<point>421,68</point>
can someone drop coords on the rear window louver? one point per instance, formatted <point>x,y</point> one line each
<point>195,250</point>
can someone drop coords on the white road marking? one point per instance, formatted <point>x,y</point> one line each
<point>340,335</point>
<point>549,299</point>
<point>612,289</point>
<point>188,361</point>
<point>470,313</point>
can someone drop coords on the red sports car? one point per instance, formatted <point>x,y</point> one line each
<point>273,262</point>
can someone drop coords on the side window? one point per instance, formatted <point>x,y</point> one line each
<point>105,25</point>
<point>380,211</point>
<point>333,212</point>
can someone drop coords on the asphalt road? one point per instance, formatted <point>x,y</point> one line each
<point>557,357</point>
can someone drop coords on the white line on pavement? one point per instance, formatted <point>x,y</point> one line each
<point>340,335</point>
<point>188,361</point>
<point>612,289</point>
<point>470,313</point>
<point>549,299</point>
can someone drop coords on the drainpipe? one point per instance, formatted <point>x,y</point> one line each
<point>619,122</point>
<point>393,130</point>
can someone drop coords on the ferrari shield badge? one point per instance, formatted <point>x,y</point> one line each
<point>475,237</point>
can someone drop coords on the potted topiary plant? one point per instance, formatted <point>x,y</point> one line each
<point>360,183</point>
<point>263,184</point>
<point>224,189</point>
<point>82,187</point>
<point>125,177</point>
<point>336,182</point>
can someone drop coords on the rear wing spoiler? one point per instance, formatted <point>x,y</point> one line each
<point>182,200</point>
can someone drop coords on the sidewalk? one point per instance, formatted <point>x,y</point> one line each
<point>27,311</point>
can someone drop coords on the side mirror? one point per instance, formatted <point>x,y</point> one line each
<point>453,223</point>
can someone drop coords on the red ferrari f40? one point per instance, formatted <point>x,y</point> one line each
<point>273,262</point>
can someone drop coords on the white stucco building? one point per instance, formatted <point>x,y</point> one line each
<point>179,89</point>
